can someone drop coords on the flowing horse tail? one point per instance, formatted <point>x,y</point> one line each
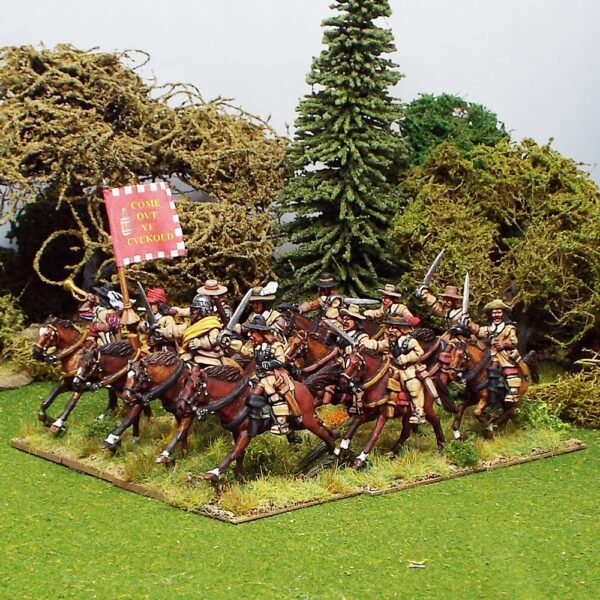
<point>530,360</point>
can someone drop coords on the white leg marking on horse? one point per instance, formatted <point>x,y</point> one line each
<point>337,451</point>
<point>345,444</point>
<point>216,471</point>
<point>111,438</point>
<point>456,434</point>
<point>362,456</point>
<point>58,423</point>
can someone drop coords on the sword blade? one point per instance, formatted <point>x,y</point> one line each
<point>465,302</point>
<point>433,268</point>
<point>237,313</point>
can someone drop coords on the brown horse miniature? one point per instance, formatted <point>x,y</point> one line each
<point>374,371</point>
<point>69,344</point>
<point>469,364</point>
<point>158,375</point>
<point>225,392</point>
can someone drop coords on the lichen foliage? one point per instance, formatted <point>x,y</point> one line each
<point>522,220</point>
<point>74,122</point>
<point>345,147</point>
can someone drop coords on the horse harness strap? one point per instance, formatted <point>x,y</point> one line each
<point>123,371</point>
<point>378,376</point>
<point>431,351</point>
<point>224,401</point>
<point>163,387</point>
<point>71,349</point>
<point>478,368</point>
<point>322,361</point>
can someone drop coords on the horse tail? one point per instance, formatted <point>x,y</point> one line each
<point>530,360</point>
<point>445,397</point>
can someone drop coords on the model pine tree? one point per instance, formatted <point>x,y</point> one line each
<point>345,149</point>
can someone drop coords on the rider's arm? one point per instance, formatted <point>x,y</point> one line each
<point>309,306</point>
<point>413,355</point>
<point>433,303</point>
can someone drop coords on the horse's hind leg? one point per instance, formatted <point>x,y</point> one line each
<point>404,435</point>
<point>458,420</point>
<point>111,407</point>
<point>315,426</point>
<point>58,425</point>
<point>241,443</point>
<point>382,419</point>
<point>434,420</point>
<point>45,405</point>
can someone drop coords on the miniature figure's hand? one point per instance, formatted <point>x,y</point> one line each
<point>464,321</point>
<point>194,344</point>
<point>420,292</point>
<point>224,339</point>
<point>164,309</point>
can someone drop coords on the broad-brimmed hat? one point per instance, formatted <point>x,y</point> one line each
<point>327,280</point>
<point>156,295</point>
<point>389,289</point>
<point>401,321</point>
<point>264,294</point>
<point>259,323</point>
<point>352,311</point>
<point>212,287</point>
<point>451,291</point>
<point>103,290</point>
<point>495,304</point>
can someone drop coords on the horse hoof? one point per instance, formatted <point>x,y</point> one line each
<point>392,455</point>
<point>42,417</point>
<point>164,459</point>
<point>359,463</point>
<point>135,439</point>
<point>489,435</point>
<point>101,417</point>
<point>212,477</point>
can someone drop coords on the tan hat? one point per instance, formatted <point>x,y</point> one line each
<point>212,287</point>
<point>352,311</point>
<point>451,291</point>
<point>264,294</point>
<point>495,304</point>
<point>389,289</point>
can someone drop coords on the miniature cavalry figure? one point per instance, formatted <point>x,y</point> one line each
<point>260,303</point>
<point>274,382</point>
<point>501,334</point>
<point>165,333</point>
<point>215,292</point>
<point>102,308</point>
<point>406,353</point>
<point>447,306</point>
<point>391,305</point>
<point>200,342</point>
<point>329,302</point>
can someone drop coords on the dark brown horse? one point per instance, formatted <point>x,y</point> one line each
<point>59,341</point>
<point>159,375</point>
<point>225,392</point>
<point>469,363</point>
<point>374,372</point>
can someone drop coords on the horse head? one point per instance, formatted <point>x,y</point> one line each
<point>138,381</point>
<point>194,388</point>
<point>87,367</point>
<point>54,333</point>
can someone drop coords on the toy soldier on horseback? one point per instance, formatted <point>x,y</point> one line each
<point>102,308</point>
<point>274,381</point>
<point>261,304</point>
<point>501,335</point>
<point>391,305</point>
<point>164,333</point>
<point>406,353</point>
<point>329,301</point>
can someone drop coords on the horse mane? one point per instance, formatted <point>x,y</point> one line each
<point>370,352</point>
<point>52,320</point>
<point>165,359</point>
<point>424,334</point>
<point>323,377</point>
<point>122,349</point>
<point>223,373</point>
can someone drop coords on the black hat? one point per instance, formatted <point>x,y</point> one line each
<point>259,323</point>
<point>327,280</point>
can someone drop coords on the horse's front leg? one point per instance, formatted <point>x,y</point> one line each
<point>59,424</point>
<point>113,439</point>
<point>501,420</point>
<point>59,389</point>
<point>238,450</point>
<point>456,423</point>
<point>180,436</point>
<point>382,419</point>
<point>342,450</point>
<point>111,407</point>
<point>434,420</point>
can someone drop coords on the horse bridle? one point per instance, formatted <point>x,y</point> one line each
<point>55,337</point>
<point>140,374</point>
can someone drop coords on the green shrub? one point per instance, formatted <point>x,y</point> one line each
<point>11,322</point>
<point>533,413</point>
<point>461,453</point>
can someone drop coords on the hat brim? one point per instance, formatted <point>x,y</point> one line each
<point>452,296</point>
<point>327,284</point>
<point>387,293</point>
<point>352,315</point>
<point>397,323</point>
<point>218,291</point>
<point>262,298</point>
<point>258,327</point>
<point>101,291</point>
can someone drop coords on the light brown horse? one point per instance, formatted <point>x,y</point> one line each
<point>225,392</point>
<point>374,372</point>
<point>469,363</point>
<point>68,345</point>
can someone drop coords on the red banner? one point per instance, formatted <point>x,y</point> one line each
<point>143,223</point>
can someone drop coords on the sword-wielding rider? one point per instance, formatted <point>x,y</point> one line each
<point>391,305</point>
<point>406,353</point>
<point>501,333</point>
<point>447,305</point>
<point>329,301</point>
<point>102,307</point>
<point>166,334</point>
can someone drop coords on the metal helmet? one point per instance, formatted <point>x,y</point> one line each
<point>202,303</point>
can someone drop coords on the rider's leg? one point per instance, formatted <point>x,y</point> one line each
<point>415,389</point>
